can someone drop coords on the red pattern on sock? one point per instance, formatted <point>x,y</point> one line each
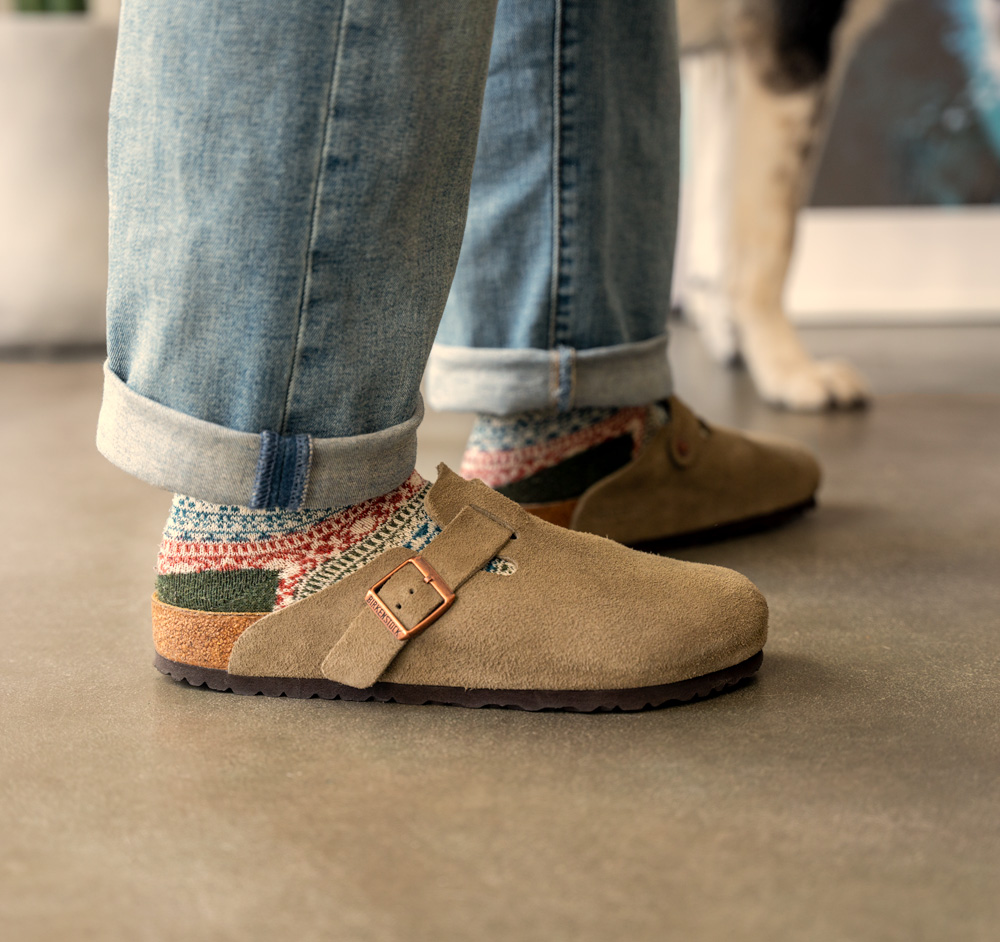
<point>294,555</point>
<point>504,467</point>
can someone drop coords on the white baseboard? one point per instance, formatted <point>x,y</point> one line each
<point>909,265</point>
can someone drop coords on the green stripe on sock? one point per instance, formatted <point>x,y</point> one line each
<point>238,590</point>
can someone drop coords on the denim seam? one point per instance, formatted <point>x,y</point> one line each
<point>557,32</point>
<point>282,471</point>
<point>306,288</point>
<point>303,468</point>
<point>569,174</point>
<point>293,483</point>
<point>265,470</point>
<point>567,370</point>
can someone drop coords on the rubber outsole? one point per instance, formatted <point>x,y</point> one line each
<point>578,701</point>
<point>726,531</point>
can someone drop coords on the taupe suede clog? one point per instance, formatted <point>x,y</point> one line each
<point>690,482</point>
<point>574,622</point>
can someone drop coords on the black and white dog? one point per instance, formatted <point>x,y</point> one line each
<point>759,76</point>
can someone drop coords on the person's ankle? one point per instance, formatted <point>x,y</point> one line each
<point>546,457</point>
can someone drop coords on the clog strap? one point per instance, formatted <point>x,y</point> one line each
<point>413,596</point>
<point>687,434</point>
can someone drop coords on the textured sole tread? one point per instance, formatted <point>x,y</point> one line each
<point>577,701</point>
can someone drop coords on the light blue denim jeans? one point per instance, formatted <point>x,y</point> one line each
<point>563,284</point>
<point>289,188</point>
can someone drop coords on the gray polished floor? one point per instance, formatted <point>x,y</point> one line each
<point>852,792</point>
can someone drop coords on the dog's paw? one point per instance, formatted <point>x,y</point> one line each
<point>814,386</point>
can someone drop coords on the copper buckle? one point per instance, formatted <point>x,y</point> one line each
<point>432,578</point>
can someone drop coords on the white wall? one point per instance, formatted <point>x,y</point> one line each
<point>55,83</point>
<point>910,265</point>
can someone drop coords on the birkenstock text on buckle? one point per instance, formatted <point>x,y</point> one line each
<point>432,578</point>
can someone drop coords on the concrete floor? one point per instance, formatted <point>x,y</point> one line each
<point>849,793</point>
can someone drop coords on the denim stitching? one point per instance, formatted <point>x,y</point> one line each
<point>300,474</point>
<point>569,171</point>
<point>282,471</point>
<point>556,168</point>
<point>553,398</point>
<point>265,470</point>
<point>564,394</point>
<point>281,492</point>
<point>313,219</point>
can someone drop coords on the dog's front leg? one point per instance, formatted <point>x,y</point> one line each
<point>774,133</point>
<point>703,245</point>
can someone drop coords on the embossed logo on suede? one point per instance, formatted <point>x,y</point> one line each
<point>391,623</point>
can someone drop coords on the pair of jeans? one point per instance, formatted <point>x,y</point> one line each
<point>290,185</point>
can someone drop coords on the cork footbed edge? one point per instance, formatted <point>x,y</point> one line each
<point>202,639</point>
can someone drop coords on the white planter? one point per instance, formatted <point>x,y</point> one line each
<point>55,84</point>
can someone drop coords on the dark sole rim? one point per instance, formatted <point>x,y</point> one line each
<point>577,701</point>
<point>726,531</point>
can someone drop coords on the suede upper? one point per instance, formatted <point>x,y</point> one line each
<point>692,476</point>
<point>578,613</point>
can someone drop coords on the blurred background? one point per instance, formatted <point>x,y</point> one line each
<point>55,82</point>
<point>906,200</point>
<point>901,225</point>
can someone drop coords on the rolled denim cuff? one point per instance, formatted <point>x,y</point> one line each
<point>200,459</point>
<point>499,381</point>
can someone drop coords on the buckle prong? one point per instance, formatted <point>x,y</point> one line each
<point>432,578</point>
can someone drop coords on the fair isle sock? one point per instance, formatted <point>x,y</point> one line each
<point>545,457</point>
<point>224,558</point>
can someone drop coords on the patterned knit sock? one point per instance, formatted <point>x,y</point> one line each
<point>223,558</point>
<point>544,457</point>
